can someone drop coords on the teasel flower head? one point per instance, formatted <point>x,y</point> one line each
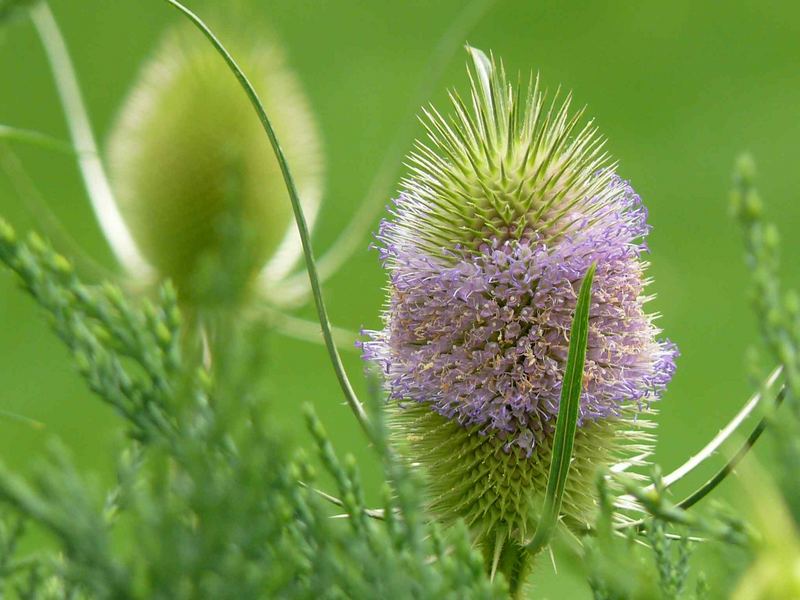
<point>196,179</point>
<point>506,207</point>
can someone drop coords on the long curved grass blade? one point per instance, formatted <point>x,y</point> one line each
<point>352,236</point>
<point>94,176</point>
<point>35,138</point>
<point>352,400</point>
<point>567,419</point>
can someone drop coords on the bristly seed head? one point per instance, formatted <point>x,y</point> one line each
<point>197,181</point>
<point>505,209</point>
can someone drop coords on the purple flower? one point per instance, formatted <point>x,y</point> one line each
<point>501,217</point>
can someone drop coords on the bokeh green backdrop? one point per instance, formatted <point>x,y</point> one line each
<point>679,89</point>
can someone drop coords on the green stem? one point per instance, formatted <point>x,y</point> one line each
<point>352,400</point>
<point>725,433</point>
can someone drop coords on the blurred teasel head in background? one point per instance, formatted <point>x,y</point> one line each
<point>506,207</point>
<point>196,179</point>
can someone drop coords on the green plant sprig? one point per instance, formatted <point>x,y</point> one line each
<point>654,501</point>
<point>778,312</point>
<point>103,331</point>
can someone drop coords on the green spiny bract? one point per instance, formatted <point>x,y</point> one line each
<point>197,180</point>
<point>507,165</point>
<point>504,212</point>
<point>499,493</point>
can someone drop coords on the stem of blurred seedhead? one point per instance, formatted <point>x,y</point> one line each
<point>352,400</point>
<point>94,176</point>
<point>352,237</point>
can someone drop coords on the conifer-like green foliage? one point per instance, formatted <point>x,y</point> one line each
<point>617,568</point>
<point>214,505</point>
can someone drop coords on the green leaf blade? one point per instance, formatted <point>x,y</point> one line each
<point>567,419</point>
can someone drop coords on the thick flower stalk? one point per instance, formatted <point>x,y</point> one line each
<point>196,180</point>
<point>505,209</point>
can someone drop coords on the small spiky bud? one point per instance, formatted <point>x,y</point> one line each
<point>504,211</point>
<point>196,178</point>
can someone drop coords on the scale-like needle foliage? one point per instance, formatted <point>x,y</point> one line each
<point>212,500</point>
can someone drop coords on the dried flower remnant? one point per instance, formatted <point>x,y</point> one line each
<point>506,208</point>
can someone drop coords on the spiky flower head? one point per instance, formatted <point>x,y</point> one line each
<point>505,209</point>
<point>196,178</point>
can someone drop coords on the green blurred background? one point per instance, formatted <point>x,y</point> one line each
<point>678,88</point>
